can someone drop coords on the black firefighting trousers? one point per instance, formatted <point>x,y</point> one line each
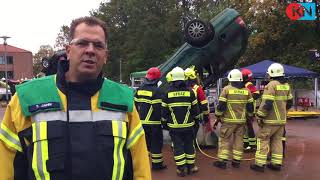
<point>183,147</point>
<point>154,138</point>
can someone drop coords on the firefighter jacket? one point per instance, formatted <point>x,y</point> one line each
<point>179,107</point>
<point>235,105</point>
<point>148,102</point>
<point>202,101</point>
<point>273,107</point>
<point>53,129</point>
<point>254,92</point>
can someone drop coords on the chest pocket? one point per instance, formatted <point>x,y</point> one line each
<point>110,141</point>
<point>110,134</point>
<point>45,136</point>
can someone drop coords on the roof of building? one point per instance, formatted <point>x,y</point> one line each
<point>12,49</point>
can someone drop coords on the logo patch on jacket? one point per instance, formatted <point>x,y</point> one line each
<point>43,106</point>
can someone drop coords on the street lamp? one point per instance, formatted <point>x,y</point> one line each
<point>120,72</point>
<point>5,63</point>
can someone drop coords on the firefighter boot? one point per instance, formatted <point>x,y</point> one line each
<point>181,171</point>
<point>192,169</point>
<point>274,167</point>
<point>220,164</point>
<point>235,163</point>
<point>257,168</point>
<point>159,166</point>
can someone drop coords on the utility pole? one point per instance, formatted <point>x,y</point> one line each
<point>120,72</point>
<point>6,64</point>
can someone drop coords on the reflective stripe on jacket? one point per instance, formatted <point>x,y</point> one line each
<point>179,107</point>
<point>202,100</point>
<point>101,138</point>
<point>278,94</point>
<point>148,102</point>
<point>236,101</point>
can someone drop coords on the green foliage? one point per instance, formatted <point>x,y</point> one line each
<point>145,33</point>
<point>44,51</point>
<point>62,38</point>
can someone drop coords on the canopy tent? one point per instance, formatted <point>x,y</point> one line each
<point>259,70</point>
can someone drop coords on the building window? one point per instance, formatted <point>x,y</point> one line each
<point>9,73</point>
<point>9,59</point>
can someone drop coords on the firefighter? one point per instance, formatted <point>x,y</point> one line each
<point>234,108</point>
<point>74,125</point>
<point>249,138</point>
<point>272,117</point>
<point>191,81</point>
<point>148,102</point>
<point>169,77</point>
<point>179,110</point>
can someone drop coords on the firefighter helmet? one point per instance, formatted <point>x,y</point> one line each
<point>235,75</point>
<point>169,77</point>
<point>275,70</point>
<point>177,74</point>
<point>246,74</point>
<point>190,73</point>
<point>153,73</point>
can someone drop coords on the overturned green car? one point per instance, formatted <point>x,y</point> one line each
<point>213,47</point>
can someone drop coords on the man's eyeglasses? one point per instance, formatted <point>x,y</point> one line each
<point>83,43</point>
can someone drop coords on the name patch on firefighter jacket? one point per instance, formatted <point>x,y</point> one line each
<point>144,93</point>
<point>282,88</point>
<point>44,106</point>
<point>178,94</point>
<point>238,91</point>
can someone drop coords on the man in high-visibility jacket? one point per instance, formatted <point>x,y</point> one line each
<point>179,110</point>
<point>234,109</point>
<point>191,81</point>
<point>76,124</point>
<point>249,137</point>
<point>148,102</point>
<point>272,117</point>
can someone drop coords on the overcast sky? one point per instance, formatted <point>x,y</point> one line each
<point>31,23</point>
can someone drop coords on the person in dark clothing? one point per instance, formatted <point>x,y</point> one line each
<point>179,111</point>
<point>148,102</point>
<point>249,137</point>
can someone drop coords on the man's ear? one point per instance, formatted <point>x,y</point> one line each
<point>68,51</point>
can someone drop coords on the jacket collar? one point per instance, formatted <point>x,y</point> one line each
<point>89,87</point>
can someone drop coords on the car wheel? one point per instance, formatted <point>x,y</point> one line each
<point>198,33</point>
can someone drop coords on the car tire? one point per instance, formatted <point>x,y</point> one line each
<point>198,33</point>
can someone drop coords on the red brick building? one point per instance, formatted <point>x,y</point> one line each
<point>19,64</point>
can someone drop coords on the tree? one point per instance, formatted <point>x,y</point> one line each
<point>63,38</point>
<point>44,51</point>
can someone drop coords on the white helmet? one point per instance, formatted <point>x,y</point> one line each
<point>177,74</point>
<point>235,75</point>
<point>275,70</point>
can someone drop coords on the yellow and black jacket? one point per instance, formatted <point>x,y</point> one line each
<point>275,101</point>
<point>148,103</point>
<point>75,131</point>
<point>235,104</point>
<point>180,107</point>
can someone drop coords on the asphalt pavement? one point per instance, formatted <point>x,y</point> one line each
<point>302,159</point>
